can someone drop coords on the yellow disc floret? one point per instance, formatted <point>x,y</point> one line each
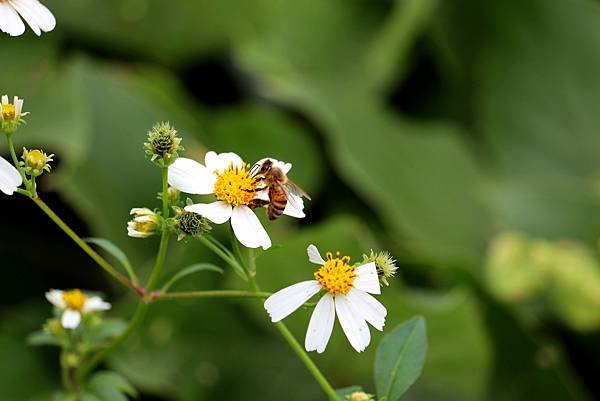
<point>36,159</point>
<point>236,186</point>
<point>74,299</point>
<point>336,275</point>
<point>8,112</point>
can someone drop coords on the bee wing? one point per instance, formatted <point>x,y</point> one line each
<point>288,195</point>
<point>293,188</point>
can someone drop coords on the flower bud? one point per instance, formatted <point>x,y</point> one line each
<point>385,264</point>
<point>359,396</point>
<point>35,162</point>
<point>163,144</point>
<point>191,224</point>
<point>145,223</point>
<point>11,114</point>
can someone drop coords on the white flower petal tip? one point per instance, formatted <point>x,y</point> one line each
<point>10,179</point>
<point>220,162</point>
<point>321,325</point>
<point>354,326</point>
<point>55,298</point>
<point>367,279</point>
<point>314,256</point>
<point>218,212</point>
<point>248,228</point>
<point>37,16</point>
<point>369,308</point>
<point>284,302</point>
<point>70,319</point>
<point>95,304</point>
<point>191,177</point>
<point>295,207</point>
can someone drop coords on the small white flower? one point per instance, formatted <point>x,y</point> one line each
<point>230,179</point>
<point>37,16</point>
<point>144,224</point>
<point>347,295</point>
<point>74,304</point>
<point>10,179</point>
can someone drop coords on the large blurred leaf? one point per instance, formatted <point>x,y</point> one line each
<point>419,177</point>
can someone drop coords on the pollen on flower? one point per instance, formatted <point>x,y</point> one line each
<point>236,186</point>
<point>74,299</point>
<point>336,276</point>
<point>8,112</point>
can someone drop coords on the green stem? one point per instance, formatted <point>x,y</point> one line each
<point>210,294</point>
<point>15,160</point>
<point>297,348</point>
<point>160,262</point>
<point>165,192</point>
<point>228,258</point>
<point>121,278</point>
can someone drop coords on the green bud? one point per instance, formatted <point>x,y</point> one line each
<point>145,223</point>
<point>385,264</point>
<point>359,396</point>
<point>11,114</point>
<point>163,144</point>
<point>191,224</point>
<point>35,162</point>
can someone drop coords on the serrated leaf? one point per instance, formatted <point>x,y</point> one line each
<point>195,268</point>
<point>42,338</point>
<point>346,391</point>
<point>116,252</point>
<point>400,358</point>
<point>111,386</point>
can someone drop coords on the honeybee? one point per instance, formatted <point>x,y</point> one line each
<point>280,189</point>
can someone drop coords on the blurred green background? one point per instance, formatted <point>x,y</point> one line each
<point>461,135</point>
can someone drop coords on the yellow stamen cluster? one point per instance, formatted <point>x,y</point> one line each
<point>8,112</point>
<point>236,186</point>
<point>336,275</point>
<point>74,299</point>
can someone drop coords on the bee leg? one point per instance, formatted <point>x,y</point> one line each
<point>256,189</point>
<point>256,203</point>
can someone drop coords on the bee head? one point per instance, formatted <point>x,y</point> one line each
<point>262,168</point>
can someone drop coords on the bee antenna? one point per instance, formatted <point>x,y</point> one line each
<point>254,169</point>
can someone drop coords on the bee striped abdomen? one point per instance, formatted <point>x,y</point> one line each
<point>278,202</point>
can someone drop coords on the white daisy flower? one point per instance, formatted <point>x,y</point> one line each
<point>74,304</point>
<point>230,179</point>
<point>37,16</point>
<point>10,179</point>
<point>347,291</point>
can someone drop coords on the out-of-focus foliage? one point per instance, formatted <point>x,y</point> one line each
<point>561,276</point>
<point>420,126</point>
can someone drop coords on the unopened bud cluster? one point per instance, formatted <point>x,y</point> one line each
<point>162,144</point>
<point>385,264</point>
<point>190,224</point>
<point>145,223</point>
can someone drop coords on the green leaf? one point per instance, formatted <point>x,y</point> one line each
<point>346,391</point>
<point>117,253</point>
<point>42,338</point>
<point>108,329</point>
<point>400,358</point>
<point>111,386</point>
<point>195,268</point>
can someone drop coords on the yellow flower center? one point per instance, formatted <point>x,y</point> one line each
<point>336,275</point>
<point>74,299</point>
<point>236,186</point>
<point>8,112</point>
<point>36,159</point>
<point>145,227</point>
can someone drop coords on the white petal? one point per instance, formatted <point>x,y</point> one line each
<point>18,107</point>
<point>24,11</point>
<point>285,301</point>
<point>314,256</point>
<point>222,161</point>
<point>211,161</point>
<point>70,319</point>
<point>43,17</point>
<point>55,297</point>
<point>10,21</point>
<point>368,307</point>
<point>218,212</point>
<point>94,304</point>
<point>321,325</point>
<point>191,177</point>
<point>295,207</point>
<point>141,211</point>
<point>367,279</point>
<point>4,99</point>
<point>10,179</point>
<point>248,229</point>
<point>285,167</point>
<point>354,326</point>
